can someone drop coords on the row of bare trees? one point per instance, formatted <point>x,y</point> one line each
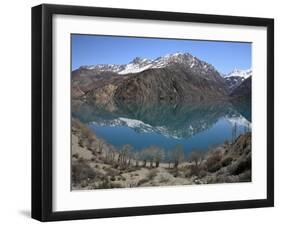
<point>151,154</point>
<point>149,157</point>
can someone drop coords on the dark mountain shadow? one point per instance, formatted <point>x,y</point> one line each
<point>244,107</point>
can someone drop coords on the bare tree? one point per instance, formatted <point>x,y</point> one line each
<point>151,155</point>
<point>196,156</point>
<point>110,154</point>
<point>159,154</point>
<point>125,155</point>
<point>169,157</point>
<point>234,132</point>
<point>146,155</point>
<point>154,154</point>
<point>137,157</point>
<point>177,155</point>
<point>100,144</point>
<point>130,155</point>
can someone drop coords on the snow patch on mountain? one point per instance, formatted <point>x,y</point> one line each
<point>240,73</point>
<point>239,120</point>
<point>131,123</point>
<point>137,126</point>
<point>138,64</point>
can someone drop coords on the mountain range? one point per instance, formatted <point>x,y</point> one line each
<point>178,77</point>
<point>139,64</point>
<point>236,77</point>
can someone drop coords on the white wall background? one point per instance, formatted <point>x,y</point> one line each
<point>15,93</point>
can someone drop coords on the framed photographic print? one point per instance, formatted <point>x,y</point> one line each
<point>146,112</point>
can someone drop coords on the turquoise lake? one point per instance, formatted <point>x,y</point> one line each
<point>196,126</point>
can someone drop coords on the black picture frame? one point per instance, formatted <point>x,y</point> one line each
<point>42,111</point>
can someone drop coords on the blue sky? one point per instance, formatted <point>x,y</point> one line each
<point>98,49</point>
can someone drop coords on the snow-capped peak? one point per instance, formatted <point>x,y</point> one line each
<point>240,73</point>
<point>173,54</point>
<point>141,64</point>
<point>139,60</point>
<point>135,66</point>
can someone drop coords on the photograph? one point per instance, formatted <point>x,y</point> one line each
<point>149,111</point>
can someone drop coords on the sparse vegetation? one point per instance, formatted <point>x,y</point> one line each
<point>81,171</point>
<point>112,168</point>
<point>125,156</point>
<point>196,156</point>
<point>152,174</point>
<point>177,155</point>
<point>213,162</point>
<point>142,181</point>
<point>226,161</point>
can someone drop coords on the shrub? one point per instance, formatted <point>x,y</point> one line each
<point>94,159</point>
<point>117,185</point>
<point>151,174</point>
<point>202,173</point>
<point>113,178</point>
<point>246,176</point>
<point>120,177</point>
<point>242,166</point>
<point>163,179</point>
<point>142,181</point>
<point>115,165</point>
<point>213,162</point>
<point>226,161</point>
<point>84,184</point>
<point>111,172</point>
<point>80,143</point>
<point>214,168</point>
<point>176,173</point>
<point>81,171</point>
<point>193,170</point>
<point>106,184</point>
<point>197,157</point>
<point>76,155</point>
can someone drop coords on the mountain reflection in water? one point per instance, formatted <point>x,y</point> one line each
<point>195,125</point>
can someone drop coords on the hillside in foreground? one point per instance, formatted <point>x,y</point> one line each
<point>98,165</point>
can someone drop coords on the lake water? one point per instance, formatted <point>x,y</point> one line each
<point>196,126</point>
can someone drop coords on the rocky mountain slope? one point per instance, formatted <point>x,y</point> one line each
<point>244,89</point>
<point>236,77</point>
<point>171,78</point>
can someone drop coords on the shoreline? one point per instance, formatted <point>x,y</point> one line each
<point>98,165</point>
